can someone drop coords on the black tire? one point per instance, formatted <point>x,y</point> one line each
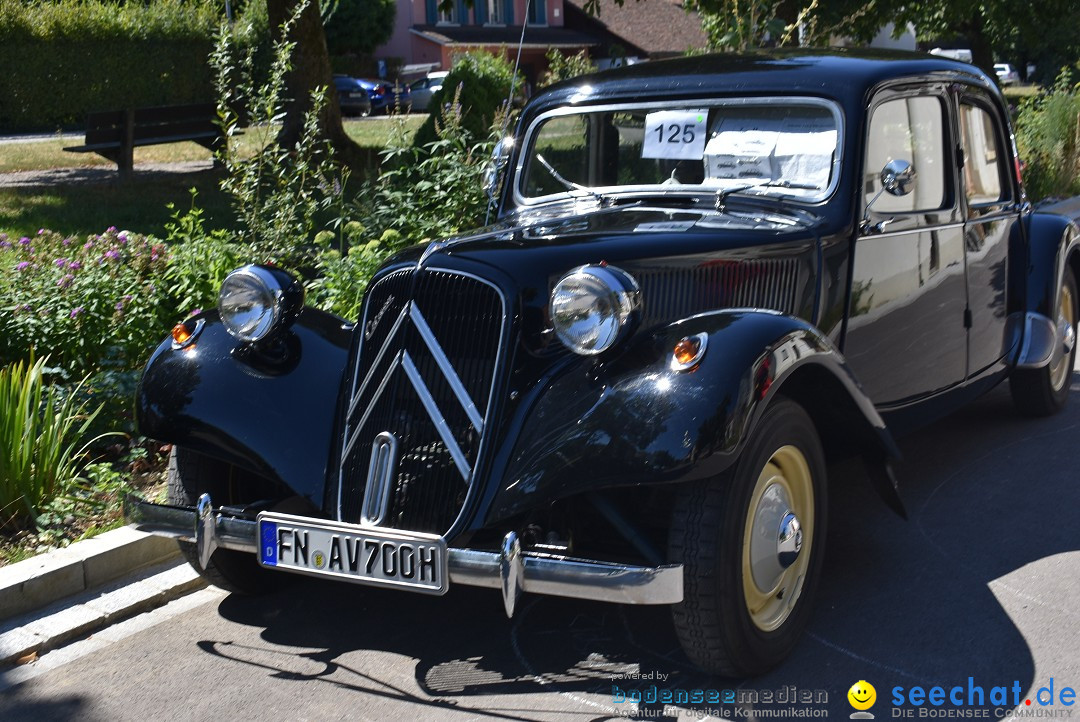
<point>710,537</point>
<point>192,474</point>
<point>1042,392</point>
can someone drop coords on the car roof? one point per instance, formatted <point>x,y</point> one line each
<point>846,75</point>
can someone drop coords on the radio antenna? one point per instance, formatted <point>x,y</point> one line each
<point>510,98</point>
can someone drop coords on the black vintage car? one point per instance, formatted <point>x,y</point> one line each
<point>706,280</point>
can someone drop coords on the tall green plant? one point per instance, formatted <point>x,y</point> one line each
<point>1048,139</point>
<point>280,193</point>
<point>40,429</point>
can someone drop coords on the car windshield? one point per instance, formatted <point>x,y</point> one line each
<point>786,147</point>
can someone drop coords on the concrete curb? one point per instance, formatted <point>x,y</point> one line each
<point>47,578</point>
<point>63,621</point>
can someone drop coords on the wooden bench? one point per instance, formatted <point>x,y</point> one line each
<point>115,134</point>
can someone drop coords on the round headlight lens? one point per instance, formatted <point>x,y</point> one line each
<point>592,306</point>
<point>250,303</point>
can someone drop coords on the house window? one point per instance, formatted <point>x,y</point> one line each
<point>447,17</point>
<point>537,12</point>
<point>495,12</point>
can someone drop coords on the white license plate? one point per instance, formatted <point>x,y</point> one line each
<point>383,557</point>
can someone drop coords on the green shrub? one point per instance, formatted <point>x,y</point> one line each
<point>475,90</point>
<point>564,67</point>
<point>1048,140</point>
<point>71,57</point>
<point>40,428</point>
<point>81,301</point>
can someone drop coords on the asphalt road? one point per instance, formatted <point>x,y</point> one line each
<point>982,582</point>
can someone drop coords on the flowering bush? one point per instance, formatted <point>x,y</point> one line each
<point>81,301</point>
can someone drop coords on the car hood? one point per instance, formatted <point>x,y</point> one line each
<point>686,260</point>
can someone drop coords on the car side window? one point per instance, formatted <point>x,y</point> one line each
<point>983,160</point>
<point>911,129</point>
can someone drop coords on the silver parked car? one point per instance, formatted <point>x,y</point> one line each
<point>423,89</point>
<point>1006,73</point>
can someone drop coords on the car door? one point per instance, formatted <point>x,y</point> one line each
<point>905,337</point>
<point>991,213</point>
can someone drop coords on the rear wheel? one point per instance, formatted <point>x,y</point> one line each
<point>751,543</point>
<point>192,474</point>
<point>1041,392</point>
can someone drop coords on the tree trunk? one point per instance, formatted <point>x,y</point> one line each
<point>311,69</point>
<point>982,53</point>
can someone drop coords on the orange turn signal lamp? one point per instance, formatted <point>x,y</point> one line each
<point>185,332</point>
<point>688,352</point>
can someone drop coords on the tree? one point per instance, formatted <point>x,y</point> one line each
<point>989,27</point>
<point>311,70</point>
<point>359,26</point>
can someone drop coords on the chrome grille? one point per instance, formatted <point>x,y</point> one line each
<point>430,347</point>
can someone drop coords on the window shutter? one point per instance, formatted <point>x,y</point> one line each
<point>432,12</point>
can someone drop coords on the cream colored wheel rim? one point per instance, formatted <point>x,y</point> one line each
<point>770,589</point>
<point>1066,322</point>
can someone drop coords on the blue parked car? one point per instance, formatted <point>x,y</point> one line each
<point>386,96</point>
<point>353,96</point>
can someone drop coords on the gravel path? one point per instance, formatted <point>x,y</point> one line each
<point>97,174</point>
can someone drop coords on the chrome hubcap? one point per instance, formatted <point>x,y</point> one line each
<point>789,540</point>
<point>779,529</point>
<point>1060,368</point>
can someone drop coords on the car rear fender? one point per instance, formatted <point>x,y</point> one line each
<point>1053,242</point>
<point>634,420</point>
<point>270,409</point>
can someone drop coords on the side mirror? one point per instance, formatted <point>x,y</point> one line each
<point>496,169</point>
<point>897,178</point>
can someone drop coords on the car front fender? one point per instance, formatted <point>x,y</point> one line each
<point>270,408</point>
<point>635,420</point>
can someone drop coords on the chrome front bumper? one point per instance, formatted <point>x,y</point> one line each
<point>511,570</point>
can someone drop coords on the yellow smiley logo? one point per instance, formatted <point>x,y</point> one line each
<point>862,695</point>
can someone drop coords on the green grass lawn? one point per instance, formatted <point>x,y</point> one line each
<point>84,208</point>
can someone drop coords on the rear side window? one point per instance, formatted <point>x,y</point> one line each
<point>983,159</point>
<point>911,129</point>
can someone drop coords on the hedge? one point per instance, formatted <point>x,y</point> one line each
<point>65,59</point>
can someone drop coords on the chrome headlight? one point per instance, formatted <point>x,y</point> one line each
<point>256,300</point>
<point>592,307</point>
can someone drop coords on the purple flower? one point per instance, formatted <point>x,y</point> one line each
<point>60,263</point>
<point>112,254</point>
<point>41,231</point>
<point>122,238</point>
<point>75,265</point>
<point>119,305</point>
<point>24,241</point>
<point>76,311</point>
<point>67,241</point>
<point>153,256</point>
<point>195,312</point>
<point>111,229</point>
<point>5,244</point>
<point>21,265</point>
<point>127,297</point>
<point>3,236</point>
<point>88,245</point>
<point>65,281</point>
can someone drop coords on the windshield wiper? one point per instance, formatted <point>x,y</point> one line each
<point>568,184</point>
<point>722,194</point>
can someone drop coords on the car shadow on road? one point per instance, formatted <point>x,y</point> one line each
<point>966,588</point>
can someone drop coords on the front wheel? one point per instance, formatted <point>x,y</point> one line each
<point>1044,391</point>
<point>191,474</point>
<point>751,543</point>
